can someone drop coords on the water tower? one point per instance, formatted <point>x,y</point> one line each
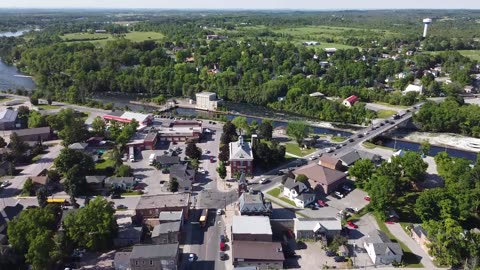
<point>426,22</point>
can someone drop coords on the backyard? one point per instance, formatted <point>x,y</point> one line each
<point>294,149</point>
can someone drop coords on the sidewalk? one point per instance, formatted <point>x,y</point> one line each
<point>400,234</point>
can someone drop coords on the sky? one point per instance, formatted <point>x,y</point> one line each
<point>245,4</point>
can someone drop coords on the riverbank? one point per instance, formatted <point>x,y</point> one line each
<point>441,139</point>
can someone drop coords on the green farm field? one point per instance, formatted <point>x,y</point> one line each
<point>102,38</point>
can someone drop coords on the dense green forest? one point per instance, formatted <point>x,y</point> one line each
<point>260,61</point>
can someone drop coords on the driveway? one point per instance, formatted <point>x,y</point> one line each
<point>400,234</point>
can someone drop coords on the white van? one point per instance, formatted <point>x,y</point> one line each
<point>131,152</point>
<point>151,159</point>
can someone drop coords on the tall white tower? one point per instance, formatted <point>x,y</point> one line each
<point>426,22</point>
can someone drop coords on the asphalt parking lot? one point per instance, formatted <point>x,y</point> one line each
<point>312,257</point>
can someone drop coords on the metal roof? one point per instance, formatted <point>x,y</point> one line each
<point>8,115</point>
<point>251,225</point>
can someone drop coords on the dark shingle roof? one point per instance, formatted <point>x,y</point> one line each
<point>254,203</point>
<point>95,179</point>
<point>168,160</point>
<point>154,251</point>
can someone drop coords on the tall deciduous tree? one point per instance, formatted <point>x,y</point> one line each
<point>362,170</point>
<point>224,154</point>
<point>42,197</point>
<point>69,158</point>
<point>298,130</point>
<point>222,170</point>
<point>99,126</point>
<point>381,189</point>
<point>93,226</point>
<point>192,151</point>
<point>229,133</point>
<point>242,124</point>
<point>265,129</point>
<point>413,166</point>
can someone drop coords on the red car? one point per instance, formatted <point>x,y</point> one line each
<point>389,222</point>
<point>352,225</point>
<point>322,203</point>
<point>212,160</point>
<point>222,246</point>
<point>366,198</point>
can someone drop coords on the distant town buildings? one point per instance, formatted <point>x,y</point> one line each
<point>206,101</point>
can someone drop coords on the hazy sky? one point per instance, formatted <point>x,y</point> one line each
<point>246,4</point>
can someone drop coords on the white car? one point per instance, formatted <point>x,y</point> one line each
<point>219,212</point>
<point>339,194</point>
<point>191,257</point>
<point>313,157</point>
<point>5,184</point>
<point>263,181</point>
<point>201,170</point>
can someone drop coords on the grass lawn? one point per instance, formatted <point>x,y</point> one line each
<point>132,193</point>
<point>48,107</point>
<point>276,193</point>
<point>393,106</point>
<point>337,139</point>
<point>36,158</point>
<point>473,54</point>
<point>409,259</point>
<point>293,149</point>
<point>370,145</point>
<point>104,164</point>
<point>385,113</point>
<point>103,38</point>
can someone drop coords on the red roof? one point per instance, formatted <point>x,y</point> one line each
<point>352,99</point>
<point>116,118</point>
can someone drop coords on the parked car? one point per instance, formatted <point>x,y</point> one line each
<point>115,196</point>
<point>322,203</point>
<point>222,255</point>
<point>5,184</point>
<point>222,246</point>
<point>280,173</point>
<point>367,198</point>
<point>313,207</point>
<point>219,211</point>
<point>264,180</point>
<point>191,257</point>
<point>121,207</point>
<point>352,225</point>
<point>212,159</point>
<point>330,253</point>
<point>339,194</point>
<point>347,188</point>
<point>339,259</point>
<point>351,210</point>
<point>351,140</point>
<point>223,238</point>
<point>313,157</point>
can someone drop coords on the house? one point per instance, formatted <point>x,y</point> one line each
<point>263,255</point>
<point>95,182</point>
<point>321,177</point>
<point>78,146</point>
<point>206,101</point>
<point>4,168</point>
<point>251,204</point>
<point>167,160</point>
<point>469,89</point>
<point>317,94</point>
<point>151,206</point>
<point>127,117</point>
<point>41,181</point>
<point>421,237</point>
<point>350,101</point>
<point>317,228</point>
<point>8,118</point>
<point>251,228</point>
<point>34,134</point>
<point>298,192</point>
<point>413,88</point>
<point>120,182</point>
<point>282,130</point>
<point>121,261</point>
<point>154,257</point>
<point>184,175</point>
<point>353,156</point>
<point>8,214</point>
<point>241,157</point>
<point>381,249</point>
<point>150,141</point>
<point>330,162</point>
<point>127,236</point>
<point>170,216</point>
<point>166,233</point>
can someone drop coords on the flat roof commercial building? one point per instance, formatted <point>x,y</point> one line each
<point>251,228</point>
<point>263,255</point>
<point>151,206</point>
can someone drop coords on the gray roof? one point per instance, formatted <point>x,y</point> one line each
<point>122,260</point>
<point>9,212</point>
<point>8,115</point>
<point>163,201</point>
<point>311,224</point>
<point>120,180</point>
<point>170,216</point>
<point>254,203</point>
<point>168,159</point>
<point>78,146</point>
<point>154,251</point>
<point>129,233</point>
<point>292,184</point>
<point>306,196</point>
<point>419,230</point>
<point>350,158</point>
<point>166,228</point>
<point>382,244</point>
<point>182,173</point>
<point>97,179</point>
<point>33,131</point>
<point>241,150</point>
<point>251,225</point>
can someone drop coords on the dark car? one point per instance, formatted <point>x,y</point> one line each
<point>360,135</point>
<point>313,207</point>
<point>351,210</point>
<point>339,259</point>
<point>330,253</point>
<point>351,140</point>
<point>115,196</point>
<point>222,238</point>
<point>280,173</point>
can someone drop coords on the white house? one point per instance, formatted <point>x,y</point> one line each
<point>413,88</point>
<point>298,192</point>
<point>206,101</point>
<point>381,250</point>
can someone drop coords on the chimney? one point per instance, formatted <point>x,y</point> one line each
<point>254,139</point>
